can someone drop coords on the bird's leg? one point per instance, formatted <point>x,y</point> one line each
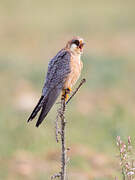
<point>65,93</point>
<point>68,90</point>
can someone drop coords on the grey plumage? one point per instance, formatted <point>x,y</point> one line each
<point>58,70</point>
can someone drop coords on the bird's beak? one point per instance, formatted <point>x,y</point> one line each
<point>81,45</point>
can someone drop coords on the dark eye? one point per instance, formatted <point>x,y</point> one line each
<point>76,42</point>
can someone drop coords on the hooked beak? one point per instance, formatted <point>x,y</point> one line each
<point>81,45</point>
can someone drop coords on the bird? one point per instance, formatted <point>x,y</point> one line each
<point>63,72</point>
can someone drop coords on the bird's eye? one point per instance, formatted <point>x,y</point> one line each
<point>76,42</point>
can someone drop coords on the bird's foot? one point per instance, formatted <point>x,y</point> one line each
<point>68,90</point>
<point>66,97</point>
<point>65,93</point>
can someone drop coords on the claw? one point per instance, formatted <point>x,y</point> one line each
<point>65,93</point>
<point>66,98</point>
<point>68,90</point>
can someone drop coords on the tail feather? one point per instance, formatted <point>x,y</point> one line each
<point>43,114</point>
<point>36,109</point>
<point>47,105</point>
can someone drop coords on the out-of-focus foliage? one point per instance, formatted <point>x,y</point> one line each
<point>31,32</point>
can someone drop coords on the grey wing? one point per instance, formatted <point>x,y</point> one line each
<point>58,70</point>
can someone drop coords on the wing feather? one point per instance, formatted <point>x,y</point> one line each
<point>58,70</point>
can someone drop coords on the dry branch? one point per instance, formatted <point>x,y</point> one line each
<point>62,175</point>
<point>63,145</point>
<point>81,83</point>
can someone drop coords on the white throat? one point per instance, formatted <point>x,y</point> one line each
<point>73,50</point>
<point>73,47</point>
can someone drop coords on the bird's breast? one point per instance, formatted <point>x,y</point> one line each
<point>75,67</point>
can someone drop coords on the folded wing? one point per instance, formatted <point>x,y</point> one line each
<point>58,70</point>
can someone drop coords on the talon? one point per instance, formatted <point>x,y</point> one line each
<point>65,94</point>
<point>68,90</point>
<point>66,98</point>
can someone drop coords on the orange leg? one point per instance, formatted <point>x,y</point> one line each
<point>66,92</point>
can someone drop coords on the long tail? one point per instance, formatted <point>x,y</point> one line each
<point>36,109</point>
<point>47,105</point>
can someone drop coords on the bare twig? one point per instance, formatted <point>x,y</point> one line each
<point>62,175</point>
<point>63,145</point>
<point>56,176</point>
<point>57,130</point>
<point>81,83</point>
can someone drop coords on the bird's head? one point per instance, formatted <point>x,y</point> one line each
<point>76,45</point>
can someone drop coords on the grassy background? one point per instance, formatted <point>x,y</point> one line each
<point>31,32</point>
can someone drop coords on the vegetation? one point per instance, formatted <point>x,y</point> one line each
<point>31,33</point>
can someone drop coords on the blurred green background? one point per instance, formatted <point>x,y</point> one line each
<point>32,32</point>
